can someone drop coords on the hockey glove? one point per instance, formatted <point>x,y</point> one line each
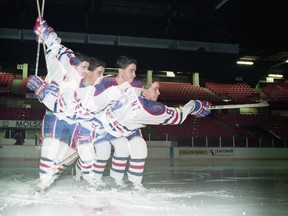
<point>42,88</point>
<point>42,30</point>
<point>36,84</point>
<point>200,109</point>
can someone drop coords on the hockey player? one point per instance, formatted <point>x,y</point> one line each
<point>132,112</point>
<point>123,136</point>
<point>90,171</point>
<point>65,133</point>
<point>65,73</point>
<point>121,122</point>
<point>126,74</point>
<point>89,105</point>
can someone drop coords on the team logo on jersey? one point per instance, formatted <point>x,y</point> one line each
<point>116,106</point>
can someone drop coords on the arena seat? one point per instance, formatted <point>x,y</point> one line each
<point>6,80</point>
<point>238,92</point>
<point>183,92</point>
<point>22,113</point>
<point>275,125</point>
<point>276,92</point>
<point>192,127</point>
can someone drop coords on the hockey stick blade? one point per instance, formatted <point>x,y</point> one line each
<point>66,162</point>
<point>235,106</point>
<point>70,159</point>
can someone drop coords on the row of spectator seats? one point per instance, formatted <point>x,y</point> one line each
<point>275,124</point>
<point>183,92</point>
<point>21,113</point>
<point>224,125</point>
<point>191,127</point>
<point>276,92</point>
<point>238,92</point>
<point>6,80</point>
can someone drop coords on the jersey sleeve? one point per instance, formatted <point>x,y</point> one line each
<point>59,60</point>
<point>156,113</point>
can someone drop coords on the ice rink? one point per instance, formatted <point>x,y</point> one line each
<point>182,188</point>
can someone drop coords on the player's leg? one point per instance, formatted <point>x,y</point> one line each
<point>87,163</point>
<point>102,154</point>
<point>138,155</point>
<point>92,162</point>
<point>119,159</point>
<point>102,150</point>
<point>53,152</point>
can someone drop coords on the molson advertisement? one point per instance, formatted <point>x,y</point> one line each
<point>20,124</point>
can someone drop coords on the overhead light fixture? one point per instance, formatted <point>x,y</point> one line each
<point>248,58</point>
<point>286,61</point>
<point>245,62</point>
<point>275,75</point>
<point>170,74</point>
<point>220,4</point>
<point>269,79</point>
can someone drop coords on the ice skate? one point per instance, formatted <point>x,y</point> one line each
<point>139,187</point>
<point>95,184</point>
<point>120,184</point>
<point>43,184</point>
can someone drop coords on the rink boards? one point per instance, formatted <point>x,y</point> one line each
<point>166,150</point>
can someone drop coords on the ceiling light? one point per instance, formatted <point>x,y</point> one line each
<point>170,74</point>
<point>245,62</point>
<point>275,75</point>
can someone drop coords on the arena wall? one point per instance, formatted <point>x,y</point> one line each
<point>164,150</point>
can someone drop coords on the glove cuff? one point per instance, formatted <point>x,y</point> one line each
<point>40,89</point>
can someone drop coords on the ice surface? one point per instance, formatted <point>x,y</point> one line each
<point>187,187</point>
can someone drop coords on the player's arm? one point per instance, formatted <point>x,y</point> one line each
<point>198,108</point>
<point>47,93</point>
<point>155,113</point>
<point>100,96</point>
<point>50,95</point>
<point>60,60</point>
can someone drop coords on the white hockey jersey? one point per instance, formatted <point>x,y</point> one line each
<point>60,67</point>
<point>61,71</point>
<point>132,112</point>
<point>76,101</point>
<point>85,101</point>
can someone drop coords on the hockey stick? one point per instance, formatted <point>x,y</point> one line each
<point>235,106</point>
<point>62,166</point>
<point>67,161</point>
<point>40,14</point>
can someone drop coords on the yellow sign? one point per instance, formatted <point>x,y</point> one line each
<point>193,152</point>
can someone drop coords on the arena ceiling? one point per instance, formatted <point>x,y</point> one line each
<point>258,28</point>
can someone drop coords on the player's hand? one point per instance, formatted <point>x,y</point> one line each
<point>42,88</point>
<point>42,29</point>
<point>200,109</point>
<point>49,89</point>
<point>36,84</point>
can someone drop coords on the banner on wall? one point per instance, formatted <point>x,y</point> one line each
<point>20,124</point>
<point>219,152</point>
<point>207,152</point>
